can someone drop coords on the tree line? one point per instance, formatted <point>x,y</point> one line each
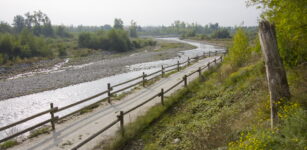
<point>116,39</point>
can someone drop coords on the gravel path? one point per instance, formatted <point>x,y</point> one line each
<point>70,76</point>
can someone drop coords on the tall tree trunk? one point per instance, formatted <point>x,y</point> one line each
<point>276,75</point>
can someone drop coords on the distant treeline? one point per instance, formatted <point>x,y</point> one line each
<point>37,22</point>
<point>184,30</point>
<point>114,39</point>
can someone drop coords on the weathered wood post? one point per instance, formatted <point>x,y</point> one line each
<point>208,65</point>
<point>185,79</point>
<point>162,96</point>
<point>188,60</point>
<point>276,75</point>
<point>214,61</point>
<point>178,65</point>
<point>52,116</point>
<point>215,53</point>
<point>121,121</point>
<point>144,79</point>
<point>109,93</point>
<point>162,71</point>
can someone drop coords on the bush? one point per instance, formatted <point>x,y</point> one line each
<point>290,134</point>
<point>115,40</point>
<point>240,51</point>
<point>24,45</point>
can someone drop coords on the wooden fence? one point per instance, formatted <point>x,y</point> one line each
<point>53,110</point>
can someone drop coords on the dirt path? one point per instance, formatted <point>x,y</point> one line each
<point>70,133</point>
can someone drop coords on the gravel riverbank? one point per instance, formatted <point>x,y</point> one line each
<point>74,75</point>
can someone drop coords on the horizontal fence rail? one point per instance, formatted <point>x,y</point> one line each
<point>109,93</point>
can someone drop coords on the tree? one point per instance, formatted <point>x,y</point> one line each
<point>5,27</point>
<point>118,24</point>
<point>276,74</point>
<point>221,34</point>
<point>61,31</point>
<point>290,19</point>
<point>39,23</point>
<point>240,51</point>
<point>19,23</point>
<point>133,29</point>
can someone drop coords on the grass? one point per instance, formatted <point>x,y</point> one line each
<point>8,144</point>
<point>217,42</point>
<point>88,109</point>
<point>39,131</point>
<point>169,45</point>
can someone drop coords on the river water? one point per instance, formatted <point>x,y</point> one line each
<point>15,109</point>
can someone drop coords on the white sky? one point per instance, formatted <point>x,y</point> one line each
<point>144,12</point>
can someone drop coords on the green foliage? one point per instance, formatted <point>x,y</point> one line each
<point>24,45</point>
<point>240,51</point>
<point>290,134</point>
<point>220,34</point>
<point>8,144</point>
<point>133,29</point>
<point>39,131</point>
<point>290,19</point>
<point>62,50</point>
<point>5,27</point>
<point>143,42</point>
<point>115,40</point>
<point>118,24</point>
<point>61,32</point>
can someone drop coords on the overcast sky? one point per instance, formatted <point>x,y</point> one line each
<point>144,12</point>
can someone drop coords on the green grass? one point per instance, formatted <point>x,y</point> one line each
<point>8,144</point>
<point>167,45</point>
<point>39,131</point>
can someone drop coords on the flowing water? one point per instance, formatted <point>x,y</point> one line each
<point>14,109</point>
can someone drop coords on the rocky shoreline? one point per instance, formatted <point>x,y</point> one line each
<point>73,75</point>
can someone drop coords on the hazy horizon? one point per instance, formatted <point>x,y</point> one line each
<point>144,12</point>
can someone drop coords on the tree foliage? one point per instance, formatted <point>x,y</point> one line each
<point>115,40</point>
<point>118,24</point>
<point>290,19</point>
<point>220,34</point>
<point>24,45</point>
<point>133,29</point>
<point>240,51</point>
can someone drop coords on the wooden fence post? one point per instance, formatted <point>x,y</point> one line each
<point>162,96</point>
<point>162,71</point>
<point>185,77</point>
<point>144,79</point>
<point>52,117</point>
<point>215,53</point>
<point>276,75</point>
<point>188,60</point>
<point>109,93</point>
<point>178,66</point>
<point>214,60</point>
<point>208,65</point>
<point>121,121</point>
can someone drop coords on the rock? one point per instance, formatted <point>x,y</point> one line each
<point>177,140</point>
